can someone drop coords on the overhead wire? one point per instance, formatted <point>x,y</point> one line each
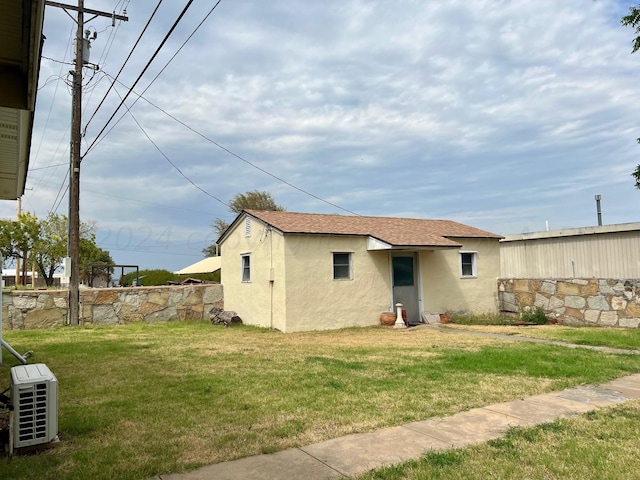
<point>54,208</point>
<point>60,195</point>
<point>251,164</point>
<point>123,65</point>
<point>96,140</point>
<point>167,158</point>
<point>130,90</point>
<point>144,70</point>
<point>55,93</point>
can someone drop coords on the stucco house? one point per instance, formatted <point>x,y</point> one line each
<point>302,271</point>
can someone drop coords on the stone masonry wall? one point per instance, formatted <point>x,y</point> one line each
<point>593,301</point>
<point>32,309</point>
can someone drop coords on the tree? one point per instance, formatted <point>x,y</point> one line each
<point>253,200</point>
<point>92,255</point>
<point>51,247</point>
<point>44,242</point>
<point>18,238</point>
<point>633,20</point>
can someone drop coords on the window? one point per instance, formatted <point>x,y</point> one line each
<point>402,271</point>
<point>246,267</point>
<point>342,266</point>
<point>468,267</point>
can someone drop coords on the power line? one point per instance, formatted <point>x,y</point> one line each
<point>97,140</point>
<point>122,67</point>
<point>48,166</point>
<point>251,164</point>
<point>155,54</point>
<point>167,158</point>
<point>54,209</point>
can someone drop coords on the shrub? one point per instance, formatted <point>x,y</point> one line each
<point>482,319</point>
<point>151,278</point>
<point>533,315</point>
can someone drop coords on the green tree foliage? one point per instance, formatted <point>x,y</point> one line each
<point>51,247</point>
<point>152,278</point>
<point>44,242</point>
<point>633,20</point>
<point>92,255</point>
<point>253,200</point>
<point>19,237</point>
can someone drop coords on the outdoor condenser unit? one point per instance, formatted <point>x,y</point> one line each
<point>34,397</point>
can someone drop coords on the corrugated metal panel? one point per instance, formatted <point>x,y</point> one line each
<point>608,255</point>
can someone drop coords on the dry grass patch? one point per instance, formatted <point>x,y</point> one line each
<point>144,400</point>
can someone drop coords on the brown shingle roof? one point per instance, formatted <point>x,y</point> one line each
<point>394,231</point>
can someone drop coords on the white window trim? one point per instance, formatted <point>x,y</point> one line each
<point>242,257</point>
<point>333,265</point>
<point>474,263</point>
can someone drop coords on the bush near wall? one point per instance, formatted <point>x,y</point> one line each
<point>575,301</point>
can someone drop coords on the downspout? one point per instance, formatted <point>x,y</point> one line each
<point>271,277</point>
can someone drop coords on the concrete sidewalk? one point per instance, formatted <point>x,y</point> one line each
<point>355,454</point>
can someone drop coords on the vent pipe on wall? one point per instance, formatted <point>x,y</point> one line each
<point>598,197</point>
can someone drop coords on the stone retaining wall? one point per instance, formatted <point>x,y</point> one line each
<point>31,309</point>
<point>592,301</point>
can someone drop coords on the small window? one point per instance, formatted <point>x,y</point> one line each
<point>468,266</point>
<point>402,271</point>
<point>246,267</point>
<point>342,266</point>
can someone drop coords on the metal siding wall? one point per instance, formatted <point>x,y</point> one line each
<point>610,255</point>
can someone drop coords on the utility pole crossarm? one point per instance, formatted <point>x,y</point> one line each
<point>124,18</point>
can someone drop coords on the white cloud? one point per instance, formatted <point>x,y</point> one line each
<point>501,114</point>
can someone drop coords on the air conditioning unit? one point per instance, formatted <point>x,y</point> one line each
<point>34,397</point>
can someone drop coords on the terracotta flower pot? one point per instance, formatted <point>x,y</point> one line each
<point>445,318</point>
<point>387,318</point>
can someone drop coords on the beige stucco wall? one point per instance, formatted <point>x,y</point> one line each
<point>259,302</point>
<point>304,296</point>
<point>444,289</point>
<point>315,301</point>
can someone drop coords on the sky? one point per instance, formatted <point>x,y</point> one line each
<point>507,115</point>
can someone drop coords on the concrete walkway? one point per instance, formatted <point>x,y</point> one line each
<point>355,454</point>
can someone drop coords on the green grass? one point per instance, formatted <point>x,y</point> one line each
<point>143,400</point>
<point>484,319</point>
<point>601,444</point>
<point>626,338</point>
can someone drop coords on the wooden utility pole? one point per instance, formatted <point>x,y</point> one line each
<point>74,168</point>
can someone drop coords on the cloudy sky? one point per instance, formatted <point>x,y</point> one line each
<point>502,114</point>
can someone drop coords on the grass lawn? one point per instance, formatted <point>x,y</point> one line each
<point>147,399</point>
<point>628,338</point>
<point>598,445</point>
